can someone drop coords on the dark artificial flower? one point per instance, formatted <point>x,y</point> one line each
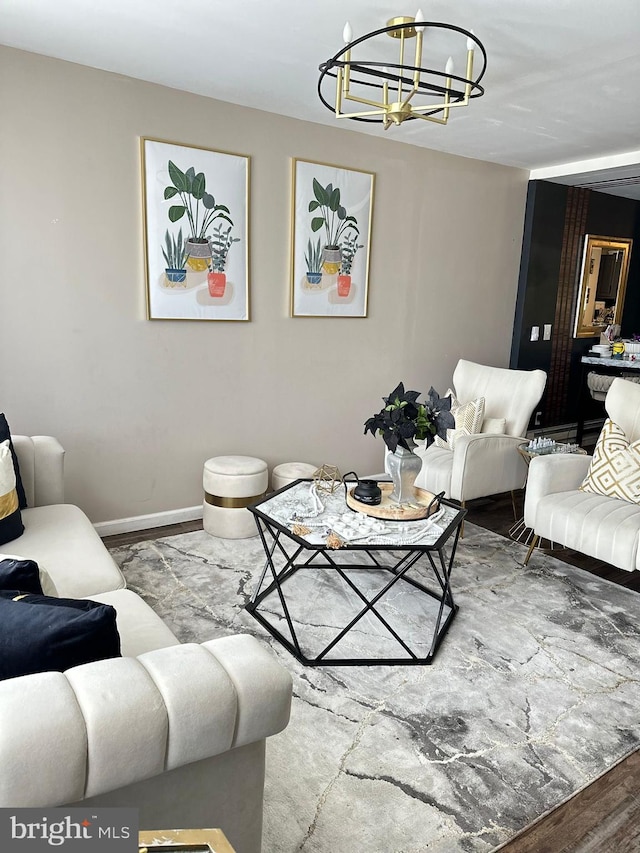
<point>403,420</point>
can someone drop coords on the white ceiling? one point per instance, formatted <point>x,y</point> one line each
<point>562,83</point>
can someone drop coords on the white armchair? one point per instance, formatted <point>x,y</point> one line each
<point>483,464</point>
<point>604,527</point>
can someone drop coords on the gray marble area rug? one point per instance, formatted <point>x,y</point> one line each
<point>534,693</point>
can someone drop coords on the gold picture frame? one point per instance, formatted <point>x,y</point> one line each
<point>208,840</point>
<point>196,232</point>
<point>331,225</point>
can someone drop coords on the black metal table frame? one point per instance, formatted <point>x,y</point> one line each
<point>411,555</point>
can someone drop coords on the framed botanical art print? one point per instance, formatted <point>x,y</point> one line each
<point>330,240</point>
<point>196,232</point>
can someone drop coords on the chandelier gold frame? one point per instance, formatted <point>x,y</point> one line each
<point>397,84</point>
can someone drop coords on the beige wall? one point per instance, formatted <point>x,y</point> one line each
<point>139,405</point>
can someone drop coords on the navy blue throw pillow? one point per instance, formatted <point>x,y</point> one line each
<point>5,433</point>
<point>20,574</point>
<point>39,633</point>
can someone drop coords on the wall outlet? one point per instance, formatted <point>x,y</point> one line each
<point>547,332</point>
<point>535,333</point>
<point>538,419</point>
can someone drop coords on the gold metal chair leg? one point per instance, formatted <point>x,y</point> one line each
<point>513,505</point>
<point>534,542</point>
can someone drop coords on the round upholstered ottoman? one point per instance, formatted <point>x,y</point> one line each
<point>287,472</point>
<point>230,484</point>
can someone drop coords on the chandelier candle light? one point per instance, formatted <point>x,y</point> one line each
<point>397,84</point>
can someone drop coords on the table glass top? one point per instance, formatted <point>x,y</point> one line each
<point>527,450</point>
<point>301,507</point>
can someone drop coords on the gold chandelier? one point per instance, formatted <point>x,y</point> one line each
<point>397,91</point>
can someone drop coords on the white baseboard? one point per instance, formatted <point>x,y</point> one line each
<point>144,522</point>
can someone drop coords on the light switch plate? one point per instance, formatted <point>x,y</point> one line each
<point>535,333</point>
<point>547,332</point>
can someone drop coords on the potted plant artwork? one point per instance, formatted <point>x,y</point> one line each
<point>313,259</point>
<point>334,220</point>
<point>201,211</point>
<point>349,248</point>
<point>219,244</point>
<point>175,257</point>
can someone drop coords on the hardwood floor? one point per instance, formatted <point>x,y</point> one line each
<point>602,818</point>
<point>151,533</point>
<point>605,816</point>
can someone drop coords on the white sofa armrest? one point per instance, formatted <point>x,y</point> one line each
<point>486,464</point>
<point>41,461</point>
<point>558,472</point>
<point>104,725</point>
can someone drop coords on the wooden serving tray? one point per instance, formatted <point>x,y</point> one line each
<point>390,510</point>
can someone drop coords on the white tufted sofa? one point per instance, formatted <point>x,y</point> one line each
<point>177,731</point>
<point>603,527</point>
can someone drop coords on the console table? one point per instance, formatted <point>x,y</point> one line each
<point>608,366</point>
<point>382,597</point>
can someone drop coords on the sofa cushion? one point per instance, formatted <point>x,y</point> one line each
<point>141,629</point>
<point>41,634</point>
<point>46,583</point>
<point>64,543</point>
<point>615,467</point>
<point>468,417</point>
<point>20,574</point>
<point>11,526</point>
<point>5,435</point>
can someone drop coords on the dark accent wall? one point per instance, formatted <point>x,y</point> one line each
<point>557,218</point>
<point>559,381</point>
<point>631,316</point>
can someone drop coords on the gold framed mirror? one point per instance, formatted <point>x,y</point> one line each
<point>603,281</point>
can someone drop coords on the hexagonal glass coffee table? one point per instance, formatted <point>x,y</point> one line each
<point>340,588</point>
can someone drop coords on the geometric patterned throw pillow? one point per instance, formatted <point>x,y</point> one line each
<point>468,417</point>
<point>615,467</point>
